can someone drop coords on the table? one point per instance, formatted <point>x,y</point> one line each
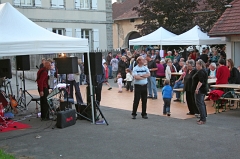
<point>176,73</point>
<point>234,86</point>
<point>212,81</point>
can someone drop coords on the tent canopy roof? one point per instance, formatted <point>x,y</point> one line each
<point>154,38</point>
<point>193,37</point>
<point>21,36</point>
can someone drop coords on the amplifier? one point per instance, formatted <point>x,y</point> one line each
<point>66,118</point>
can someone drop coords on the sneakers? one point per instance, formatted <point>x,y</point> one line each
<point>168,114</point>
<point>110,88</point>
<point>133,116</point>
<point>149,96</point>
<point>154,98</point>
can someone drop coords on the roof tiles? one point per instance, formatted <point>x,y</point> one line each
<point>229,22</point>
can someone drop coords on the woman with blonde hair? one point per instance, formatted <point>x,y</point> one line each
<point>200,89</point>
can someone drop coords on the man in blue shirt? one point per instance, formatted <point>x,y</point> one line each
<point>140,74</point>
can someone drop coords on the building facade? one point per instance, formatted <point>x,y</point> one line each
<point>229,26</point>
<point>91,19</point>
<point>124,22</point>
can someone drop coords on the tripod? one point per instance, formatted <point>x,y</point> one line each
<point>22,101</point>
<point>97,110</point>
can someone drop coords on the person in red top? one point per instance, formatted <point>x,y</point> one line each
<point>106,75</point>
<point>223,73</point>
<point>42,82</point>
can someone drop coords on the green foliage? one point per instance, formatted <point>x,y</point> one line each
<point>4,155</point>
<point>178,16</point>
<point>208,19</point>
<point>174,15</point>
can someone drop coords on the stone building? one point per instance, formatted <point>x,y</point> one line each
<point>124,21</point>
<point>91,19</point>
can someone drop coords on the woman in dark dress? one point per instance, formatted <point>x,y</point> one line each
<point>122,65</point>
<point>199,86</point>
<point>188,88</point>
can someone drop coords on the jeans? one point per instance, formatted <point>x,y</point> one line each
<point>140,91</point>
<point>166,105</point>
<point>77,91</point>
<point>81,78</point>
<point>152,87</point>
<point>177,85</point>
<point>199,98</point>
<point>110,71</point>
<point>114,74</point>
<point>98,92</point>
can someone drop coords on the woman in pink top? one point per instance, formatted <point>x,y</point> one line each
<point>160,71</point>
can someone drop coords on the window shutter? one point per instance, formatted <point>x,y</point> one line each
<point>54,3</point>
<point>38,3</point>
<point>61,3</point>
<point>69,32</point>
<point>95,39</point>
<point>78,33</point>
<point>49,29</point>
<point>17,2</point>
<point>94,4</point>
<point>77,3</point>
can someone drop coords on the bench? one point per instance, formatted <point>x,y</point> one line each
<point>160,82</point>
<point>181,93</point>
<point>218,102</point>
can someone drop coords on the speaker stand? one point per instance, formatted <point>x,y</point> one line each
<point>96,109</point>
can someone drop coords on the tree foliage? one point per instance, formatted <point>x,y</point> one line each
<point>215,8</point>
<point>174,15</point>
<point>178,16</point>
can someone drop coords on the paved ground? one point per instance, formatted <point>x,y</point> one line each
<point>158,137</point>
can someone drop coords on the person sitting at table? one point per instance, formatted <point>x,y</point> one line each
<point>223,73</point>
<point>179,84</point>
<point>168,72</point>
<point>160,72</point>
<point>212,71</point>
<point>169,55</point>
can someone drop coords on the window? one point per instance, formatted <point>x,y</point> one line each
<point>57,3</point>
<point>82,4</point>
<point>58,31</point>
<point>87,34</point>
<point>27,3</point>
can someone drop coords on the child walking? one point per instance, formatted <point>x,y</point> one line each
<point>129,79</point>
<point>106,75</point>
<point>167,94</point>
<point>119,81</point>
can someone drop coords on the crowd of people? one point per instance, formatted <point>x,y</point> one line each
<point>137,72</point>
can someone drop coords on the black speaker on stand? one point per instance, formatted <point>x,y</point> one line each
<point>66,65</point>
<point>23,64</point>
<point>5,68</point>
<point>96,69</point>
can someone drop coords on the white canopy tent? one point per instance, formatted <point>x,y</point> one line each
<point>193,37</point>
<point>21,36</point>
<point>154,38</point>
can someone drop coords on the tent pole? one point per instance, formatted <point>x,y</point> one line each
<point>161,47</point>
<point>91,88</point>
<point>16,78</point>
